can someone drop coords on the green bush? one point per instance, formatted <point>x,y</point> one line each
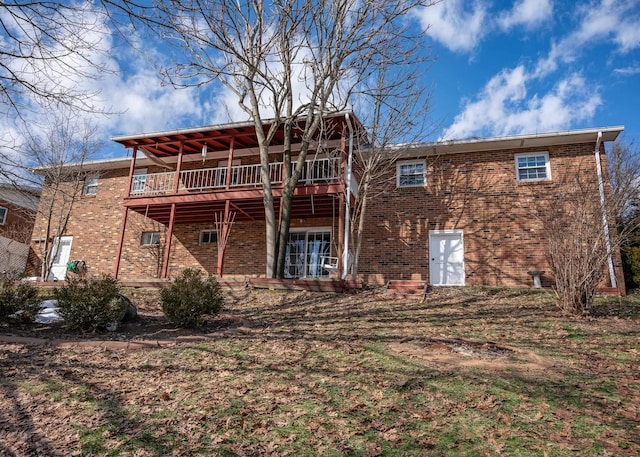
<point>90,304</point>
<point>631,266</point>
<point>18,296</point>
<point>189,297</point>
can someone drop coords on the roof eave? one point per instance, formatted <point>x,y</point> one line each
<point>513,141</point>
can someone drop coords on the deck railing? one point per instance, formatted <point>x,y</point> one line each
<point>319,170</point>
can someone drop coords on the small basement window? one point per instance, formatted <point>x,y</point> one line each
<point>3,215</point>
<point>533,166</point>
<point>208,237</point>
<point>90,186</point>
<point>411,173</point>
<point>150,239</point>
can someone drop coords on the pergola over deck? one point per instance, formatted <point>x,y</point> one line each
<point>194,196</point>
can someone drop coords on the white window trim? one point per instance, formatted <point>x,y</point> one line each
<point>3,220</point>
<point>142,241</point>
<point>90,187</point>
<point>533,154</point>
<point>207,231</point>
<point>411,162</point>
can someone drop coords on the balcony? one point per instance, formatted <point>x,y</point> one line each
<point>316,171</point>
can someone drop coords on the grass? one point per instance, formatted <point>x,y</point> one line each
<point>317,374</point>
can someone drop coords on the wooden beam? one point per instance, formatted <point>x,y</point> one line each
<point>236,208</point>
<point>132,167</point>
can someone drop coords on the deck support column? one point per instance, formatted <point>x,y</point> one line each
<point>176,185</point>
<point>223,233</point>
<point>227,184</point>
<point>167,247</point>
<point>123,225</point>
<point>125,213</point>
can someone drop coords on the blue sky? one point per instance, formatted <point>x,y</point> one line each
<point>527,66</point>
<point>503,67</point>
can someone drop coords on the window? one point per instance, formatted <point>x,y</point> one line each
<point>150,239</point>
<point>411,173</point>
<point>3,215</point>
<point>533,166</point>
<point>90,186</point>
<point>208,236</point>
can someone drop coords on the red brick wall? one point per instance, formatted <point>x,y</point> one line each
<point>502,219</point>
<point>94,222</point>
<point>477,193</point>
<point>18,223</point>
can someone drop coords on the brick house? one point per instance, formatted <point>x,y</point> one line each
<point>18,205</point>
<point>461,212</point>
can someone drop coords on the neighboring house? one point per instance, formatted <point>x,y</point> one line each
<point>18,206</point>
<point>462,212</point>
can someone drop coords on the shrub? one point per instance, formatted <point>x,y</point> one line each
<point>18,296</point>
<point>631,266</point>
<point>189,297</point>
<point>90,304</point>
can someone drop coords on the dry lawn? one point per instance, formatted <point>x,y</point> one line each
<point>477,372</point>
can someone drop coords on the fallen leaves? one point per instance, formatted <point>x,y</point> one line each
<point>304,373</point>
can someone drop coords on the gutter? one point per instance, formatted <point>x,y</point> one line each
<point>605,225</point>
<point>347,205</point>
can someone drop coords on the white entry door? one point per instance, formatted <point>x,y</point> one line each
<point>446,258</point>
<point>62,249</point>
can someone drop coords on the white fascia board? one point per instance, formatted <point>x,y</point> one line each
<point>510,142</point>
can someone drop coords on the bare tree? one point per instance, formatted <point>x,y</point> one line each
<point>290,61</point>
<point>47,48</point>
<point>583,231</point>
<point>397,117</point>
<point>60,152</point>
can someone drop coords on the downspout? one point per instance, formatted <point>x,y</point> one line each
<point>347,204</point>
<point>607,236</point>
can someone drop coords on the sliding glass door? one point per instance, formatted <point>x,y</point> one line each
<point>305,250</point>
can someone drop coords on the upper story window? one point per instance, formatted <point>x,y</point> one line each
<point>208,236</point>
<point>411,173</point>
<point>3,215</point>
<point>533,166</point>
<point>90,186</point>
<point>150,239</point>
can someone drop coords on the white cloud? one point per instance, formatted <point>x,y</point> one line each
<point>613,21</point>
<point>528,13</point>
<point>146,105</point>
<point>503,107</point>
<point>628,71</point>
<point>454,24</point>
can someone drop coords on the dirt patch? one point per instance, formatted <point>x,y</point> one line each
<point>464,352</point>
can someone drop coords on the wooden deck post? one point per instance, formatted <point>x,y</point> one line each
<point>224,234</point>
<point>227,184</point>
<point>176,185</point>
<point>167,247</point>
<point>125,213</point>
<point>123,226</point>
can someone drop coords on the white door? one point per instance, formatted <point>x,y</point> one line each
<point>446,255</point>
<point>62,250</point>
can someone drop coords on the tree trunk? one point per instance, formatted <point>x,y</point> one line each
<point>362,211</point>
